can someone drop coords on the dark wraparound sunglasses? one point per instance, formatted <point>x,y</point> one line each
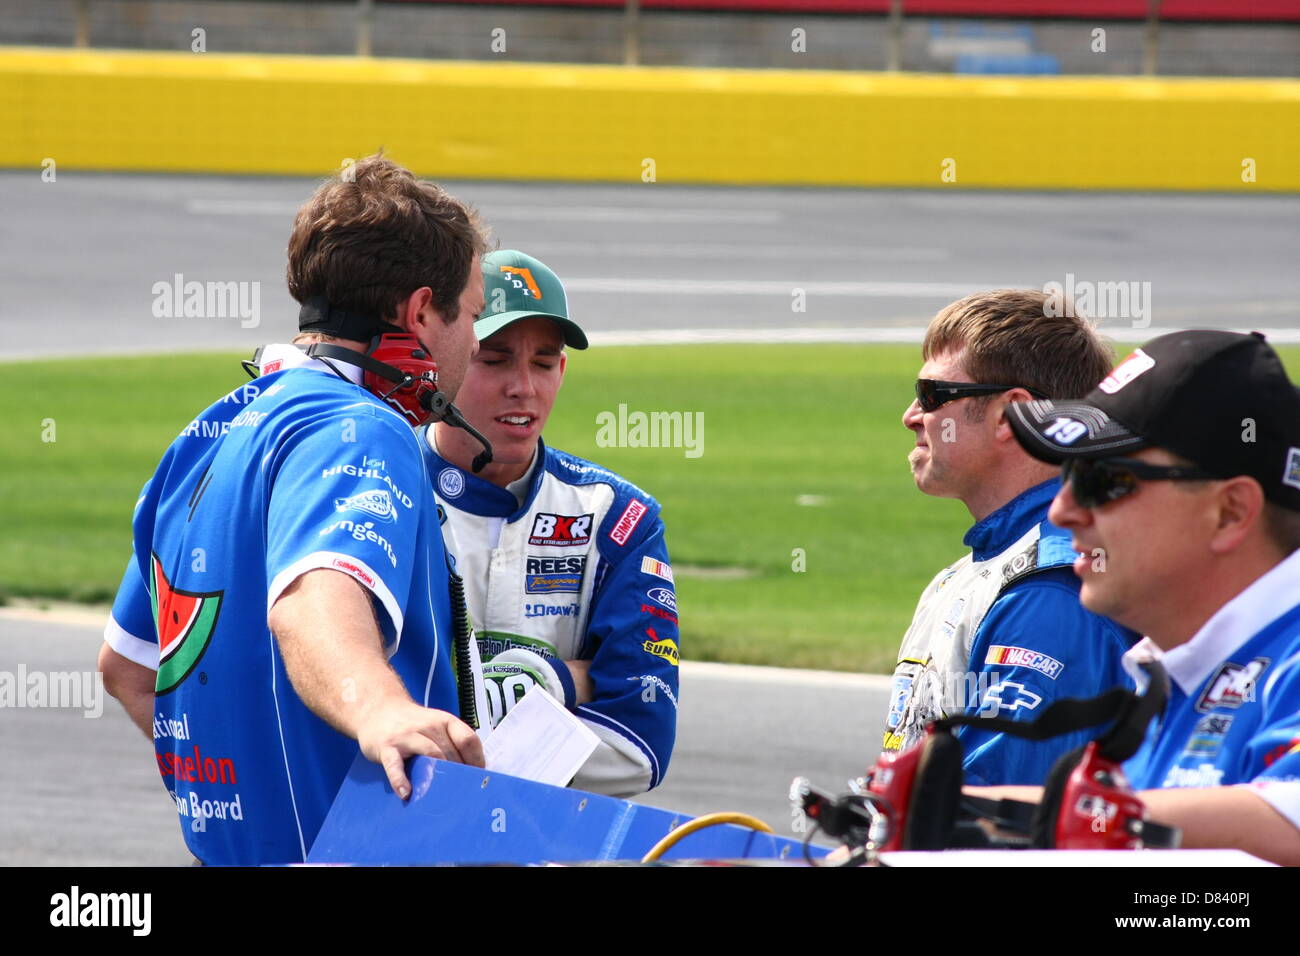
<point>1094,483</point>
<point>933,394</point>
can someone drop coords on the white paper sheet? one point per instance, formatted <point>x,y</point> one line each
<point>539,740</point>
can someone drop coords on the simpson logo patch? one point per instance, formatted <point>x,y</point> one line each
<point>660,570</point>
<point>628,521</point>
<point>1126,371</point>
<point>1024,657</point>
<point>347,567</point>
<point>561,531</point>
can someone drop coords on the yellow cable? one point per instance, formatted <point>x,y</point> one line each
<point>699,823</point>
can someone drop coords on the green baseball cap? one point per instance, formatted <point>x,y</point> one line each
<point>517,286</point>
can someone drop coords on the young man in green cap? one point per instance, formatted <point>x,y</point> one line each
<point>566,571</point>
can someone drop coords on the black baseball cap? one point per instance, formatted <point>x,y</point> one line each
<point>1220,399</point>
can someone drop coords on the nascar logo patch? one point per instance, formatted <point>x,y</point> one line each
<point>660,570</point>
<point>1024,657</point>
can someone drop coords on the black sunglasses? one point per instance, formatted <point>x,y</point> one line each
<point>933,394</point>
<point>1096,482</point>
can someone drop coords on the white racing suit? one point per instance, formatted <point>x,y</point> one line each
<point>579,571</point>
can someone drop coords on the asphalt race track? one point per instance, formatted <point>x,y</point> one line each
<point>79,257</point>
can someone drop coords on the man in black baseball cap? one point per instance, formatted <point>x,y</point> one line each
<point>1182,493</point>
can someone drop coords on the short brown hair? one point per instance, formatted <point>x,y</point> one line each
<point>373,234</point>
<point>1282,525</point>
<point>1010,338</point>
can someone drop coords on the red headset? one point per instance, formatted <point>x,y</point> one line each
<point>399,370</point>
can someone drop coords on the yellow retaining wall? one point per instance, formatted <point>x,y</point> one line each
<point>192,112</point>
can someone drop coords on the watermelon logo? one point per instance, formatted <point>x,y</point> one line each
<point>185,621</point>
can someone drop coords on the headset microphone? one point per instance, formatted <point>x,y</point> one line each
<point>399,370</point>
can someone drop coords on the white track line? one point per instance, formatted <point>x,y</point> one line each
<point>511,213</point>
<point>799,335</point>
<point>785,287</point>
<point>897,335</point>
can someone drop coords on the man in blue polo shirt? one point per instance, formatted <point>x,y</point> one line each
<point>1182,468</point>
<point>288,599</point>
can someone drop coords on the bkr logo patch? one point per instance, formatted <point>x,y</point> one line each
<point>561,531</point>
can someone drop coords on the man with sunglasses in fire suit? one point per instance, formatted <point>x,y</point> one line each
<point>288,596</point>
<point>1183,469</point>
<point>1000,632</point>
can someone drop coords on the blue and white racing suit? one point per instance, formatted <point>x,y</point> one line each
<point>578,571</point>
<point>1001,632</point>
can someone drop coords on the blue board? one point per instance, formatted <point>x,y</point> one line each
<point>458,814</point>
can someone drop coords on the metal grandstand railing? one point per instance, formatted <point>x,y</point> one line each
<point>1121,37</point>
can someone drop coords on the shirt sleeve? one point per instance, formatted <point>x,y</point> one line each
<point>1037,644</point>
<point>346,494</point>
<point>1272,755</point>
<point>634,670</point>
<point>130,629</point>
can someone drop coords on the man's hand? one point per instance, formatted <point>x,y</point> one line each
<point>333,652</point>
<point>399,729</point>
<point>582,685</point>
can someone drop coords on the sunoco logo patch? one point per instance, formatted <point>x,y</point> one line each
<point>664,647</point>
